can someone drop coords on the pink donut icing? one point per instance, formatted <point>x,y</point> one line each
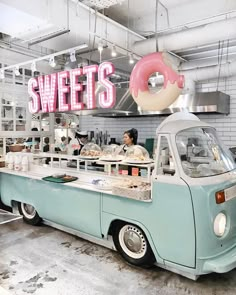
<point>148,65</point>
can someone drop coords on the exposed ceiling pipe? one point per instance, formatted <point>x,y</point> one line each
<point>221,71</point>
<point>207,73</point>
<point>193,37</point>
<point>195,23</point>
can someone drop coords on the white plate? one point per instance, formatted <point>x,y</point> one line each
<point>117,159</point>
<point>88,158</point>
<point>138,161</point>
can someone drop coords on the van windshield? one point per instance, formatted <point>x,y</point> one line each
<point>202,153</point>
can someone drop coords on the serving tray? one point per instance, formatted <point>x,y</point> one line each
<point>59,179</point>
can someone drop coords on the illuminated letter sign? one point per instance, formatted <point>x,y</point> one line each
<point>106,98</point>
<point>47,90</point>
<point>76,90</point>
<point>34,103</point>
<point>63,92</point>
<point>90,71</point>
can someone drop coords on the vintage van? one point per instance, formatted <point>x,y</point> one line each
<point>188,225</point>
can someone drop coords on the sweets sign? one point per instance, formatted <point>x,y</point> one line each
<point>52,92</point>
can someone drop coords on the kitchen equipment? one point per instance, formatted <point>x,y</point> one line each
<point>112,141</point>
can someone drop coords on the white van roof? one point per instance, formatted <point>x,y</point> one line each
<point>180,121</point>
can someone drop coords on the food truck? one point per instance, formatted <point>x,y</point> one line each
<point>181,217</point>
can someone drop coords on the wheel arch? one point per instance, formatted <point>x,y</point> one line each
<point>117,220</point>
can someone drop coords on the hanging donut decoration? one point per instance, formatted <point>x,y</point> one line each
<point>173,83</point>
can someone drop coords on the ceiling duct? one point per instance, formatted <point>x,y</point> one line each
<point>190,38</point>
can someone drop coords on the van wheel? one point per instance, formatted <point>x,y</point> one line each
<point>29,213</point>
<point>133,245</point>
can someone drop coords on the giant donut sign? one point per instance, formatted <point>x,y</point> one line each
<point>173,83</point>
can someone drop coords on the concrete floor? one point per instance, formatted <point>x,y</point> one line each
<point>45,261</point>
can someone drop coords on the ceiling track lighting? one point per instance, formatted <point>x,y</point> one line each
<point>17,71</point>
<point>72,56</point>
<point>52,62</point>
<point>131,58</point>
<point>113,51</point>
<point>100,46</point>
<point>50,57</point>
<point>33,67</point>
<point>2,74</point>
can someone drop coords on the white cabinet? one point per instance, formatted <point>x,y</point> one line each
<point>13,116</point>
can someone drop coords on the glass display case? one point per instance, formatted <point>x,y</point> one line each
<point>137,154</point>
<point>91,151</point>
<point>112,152</point>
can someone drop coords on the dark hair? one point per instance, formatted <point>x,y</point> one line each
<point>63,138</point>
<point>133,134</point>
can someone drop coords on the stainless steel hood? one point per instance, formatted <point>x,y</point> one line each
<point>203,102</point>
<point>208,102</point>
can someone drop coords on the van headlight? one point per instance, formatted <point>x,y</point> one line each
<point>220,224</point>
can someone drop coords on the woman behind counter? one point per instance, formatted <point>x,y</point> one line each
<point>130,138</point>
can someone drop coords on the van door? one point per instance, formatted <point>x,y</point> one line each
<point>175,229</point>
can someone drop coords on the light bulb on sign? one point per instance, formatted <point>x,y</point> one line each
<point>113,51</point>
<point>52,62</point>
<point>17,71</point>
<point>131,58</point>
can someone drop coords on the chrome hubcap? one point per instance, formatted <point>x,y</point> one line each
<point>28,210</point>
<point>133,241</point>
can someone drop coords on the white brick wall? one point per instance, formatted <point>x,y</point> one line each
<point>146,126</point>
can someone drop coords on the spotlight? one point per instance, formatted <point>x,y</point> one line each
<point>17,71</point>
<point>100,46</point>
<point>72,56</point>
<point>2,74</point>
<point>113,51</point>
<point>52,62</point>
<point>131,58</point>
<point>33,67</point>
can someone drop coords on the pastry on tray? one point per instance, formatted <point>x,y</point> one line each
<point>68,177</point>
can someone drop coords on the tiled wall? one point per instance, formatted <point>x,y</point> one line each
<point>146,126</point>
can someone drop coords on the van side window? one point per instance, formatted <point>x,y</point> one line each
<point>165,161</point>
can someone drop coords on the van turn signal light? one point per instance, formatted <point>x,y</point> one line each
<point>220,197</point>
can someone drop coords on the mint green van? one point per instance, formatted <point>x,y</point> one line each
<point>187,226</point>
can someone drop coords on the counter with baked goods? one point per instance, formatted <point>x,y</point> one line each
<point>88,180</point>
